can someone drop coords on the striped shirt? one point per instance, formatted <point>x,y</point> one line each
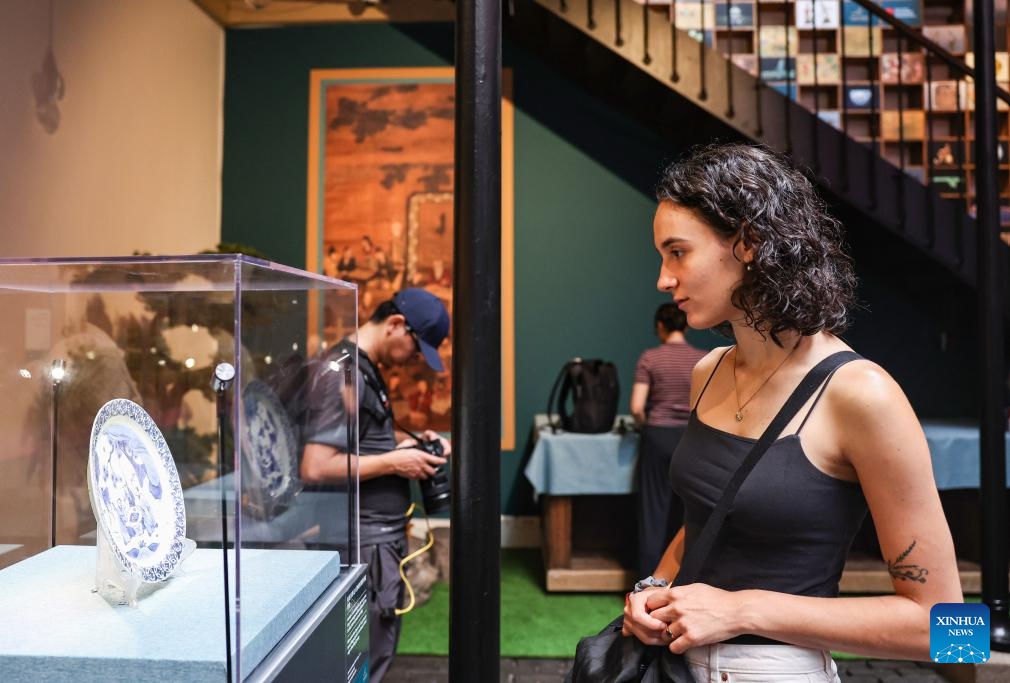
<point>667,371</point>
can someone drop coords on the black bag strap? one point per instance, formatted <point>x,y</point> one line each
<point>554,390</point>
<point>694,561</point>
<point>573,384</point>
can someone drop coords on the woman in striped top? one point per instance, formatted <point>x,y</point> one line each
<point>660,404</point>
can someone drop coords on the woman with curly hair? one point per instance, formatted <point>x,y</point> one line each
<point>746,244</point>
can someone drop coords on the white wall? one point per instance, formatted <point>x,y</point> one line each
<point>135,162</point>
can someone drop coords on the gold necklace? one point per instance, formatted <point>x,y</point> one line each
<point>736,393</point>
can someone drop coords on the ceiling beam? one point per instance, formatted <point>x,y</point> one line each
<point>244,13</point>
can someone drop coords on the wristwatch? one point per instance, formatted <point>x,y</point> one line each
<point>650,582</point>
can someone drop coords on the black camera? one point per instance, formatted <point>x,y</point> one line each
<point>435,491</point>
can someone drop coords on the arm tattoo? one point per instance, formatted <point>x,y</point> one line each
<point>908,572</point>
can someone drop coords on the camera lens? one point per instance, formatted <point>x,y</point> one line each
<point>435,491</point>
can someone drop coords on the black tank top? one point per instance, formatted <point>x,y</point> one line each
<point>791,525</point>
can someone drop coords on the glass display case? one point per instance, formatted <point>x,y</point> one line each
<point>154,415</point>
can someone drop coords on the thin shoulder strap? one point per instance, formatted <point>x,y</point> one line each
<point>709,380</point>
<point>550,399</point>
<point>694,561</point>
<point>816,399</point>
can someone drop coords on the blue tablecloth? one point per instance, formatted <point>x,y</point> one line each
<point>566,464</point>
<point>954,449</point>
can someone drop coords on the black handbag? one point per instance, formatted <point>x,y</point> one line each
<point>608,655</point>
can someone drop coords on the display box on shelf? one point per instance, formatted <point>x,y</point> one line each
<point>947,182</point>
<point>820,14</point>
<point>778,41</point>
<point>828,70</point>
<point>859,41</point>
<point>854,14</point>
<point>907,68</point>
<point>945,154</point>
<point>950,37</point>
<point>694,15</point>
<point>906,11</point>
<point>734,15</point>
<point>945,96</point>
<point>778,68</point>
<point>907,125</point>
<point>909,12</point>
<point>860,97</point>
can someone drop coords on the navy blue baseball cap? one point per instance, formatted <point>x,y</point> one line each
<point>427,317</point>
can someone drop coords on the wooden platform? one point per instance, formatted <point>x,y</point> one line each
<point>591,572</point>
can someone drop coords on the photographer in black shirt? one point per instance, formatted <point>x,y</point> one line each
<point>413,321</point>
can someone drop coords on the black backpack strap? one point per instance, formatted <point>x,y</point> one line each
<point>572,384</point>
<point>550,400</point>
<point>694,561</point>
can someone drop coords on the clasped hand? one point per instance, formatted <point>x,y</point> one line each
<point>682,617</point>
<point>413,463</point>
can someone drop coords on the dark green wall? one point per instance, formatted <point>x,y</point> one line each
<point>585,268</point>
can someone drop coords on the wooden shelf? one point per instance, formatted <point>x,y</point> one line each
<point>817,50</point>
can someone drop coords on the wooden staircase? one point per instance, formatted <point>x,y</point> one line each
<point>705,80</point>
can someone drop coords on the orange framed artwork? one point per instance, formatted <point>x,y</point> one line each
<point>380,213</point>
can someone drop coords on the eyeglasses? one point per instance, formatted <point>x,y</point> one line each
<point>413,335</point>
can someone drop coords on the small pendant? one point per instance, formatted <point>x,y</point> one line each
<point>739,416</point>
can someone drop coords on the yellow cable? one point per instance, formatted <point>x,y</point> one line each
<point>427,546</point>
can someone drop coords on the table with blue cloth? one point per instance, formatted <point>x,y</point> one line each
<point>564,465</point>
<point>954,449</point>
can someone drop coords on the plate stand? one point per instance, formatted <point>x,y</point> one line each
<point>116,582</point>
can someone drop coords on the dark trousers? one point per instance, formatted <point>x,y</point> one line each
<point>660,511</point>
<point>385,594</point>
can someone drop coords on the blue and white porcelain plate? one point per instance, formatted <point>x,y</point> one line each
<point>269,447</point>
<point>135,491</point>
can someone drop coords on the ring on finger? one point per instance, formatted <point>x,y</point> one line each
<point>669,633</point>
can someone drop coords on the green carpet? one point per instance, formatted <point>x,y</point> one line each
<point>534,623</point>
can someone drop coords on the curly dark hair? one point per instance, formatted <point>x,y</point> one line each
<point>801,277</point>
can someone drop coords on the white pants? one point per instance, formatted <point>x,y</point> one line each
<point>760,664</point>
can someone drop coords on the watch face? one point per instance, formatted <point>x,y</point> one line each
<point>135,491</point>
<point>269,447</point>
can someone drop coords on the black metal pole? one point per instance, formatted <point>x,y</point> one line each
<point>56,374</point>
<point>475,592</point>
<point>351,410</point>
<point>993,420</point>
<point>224,373</point>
